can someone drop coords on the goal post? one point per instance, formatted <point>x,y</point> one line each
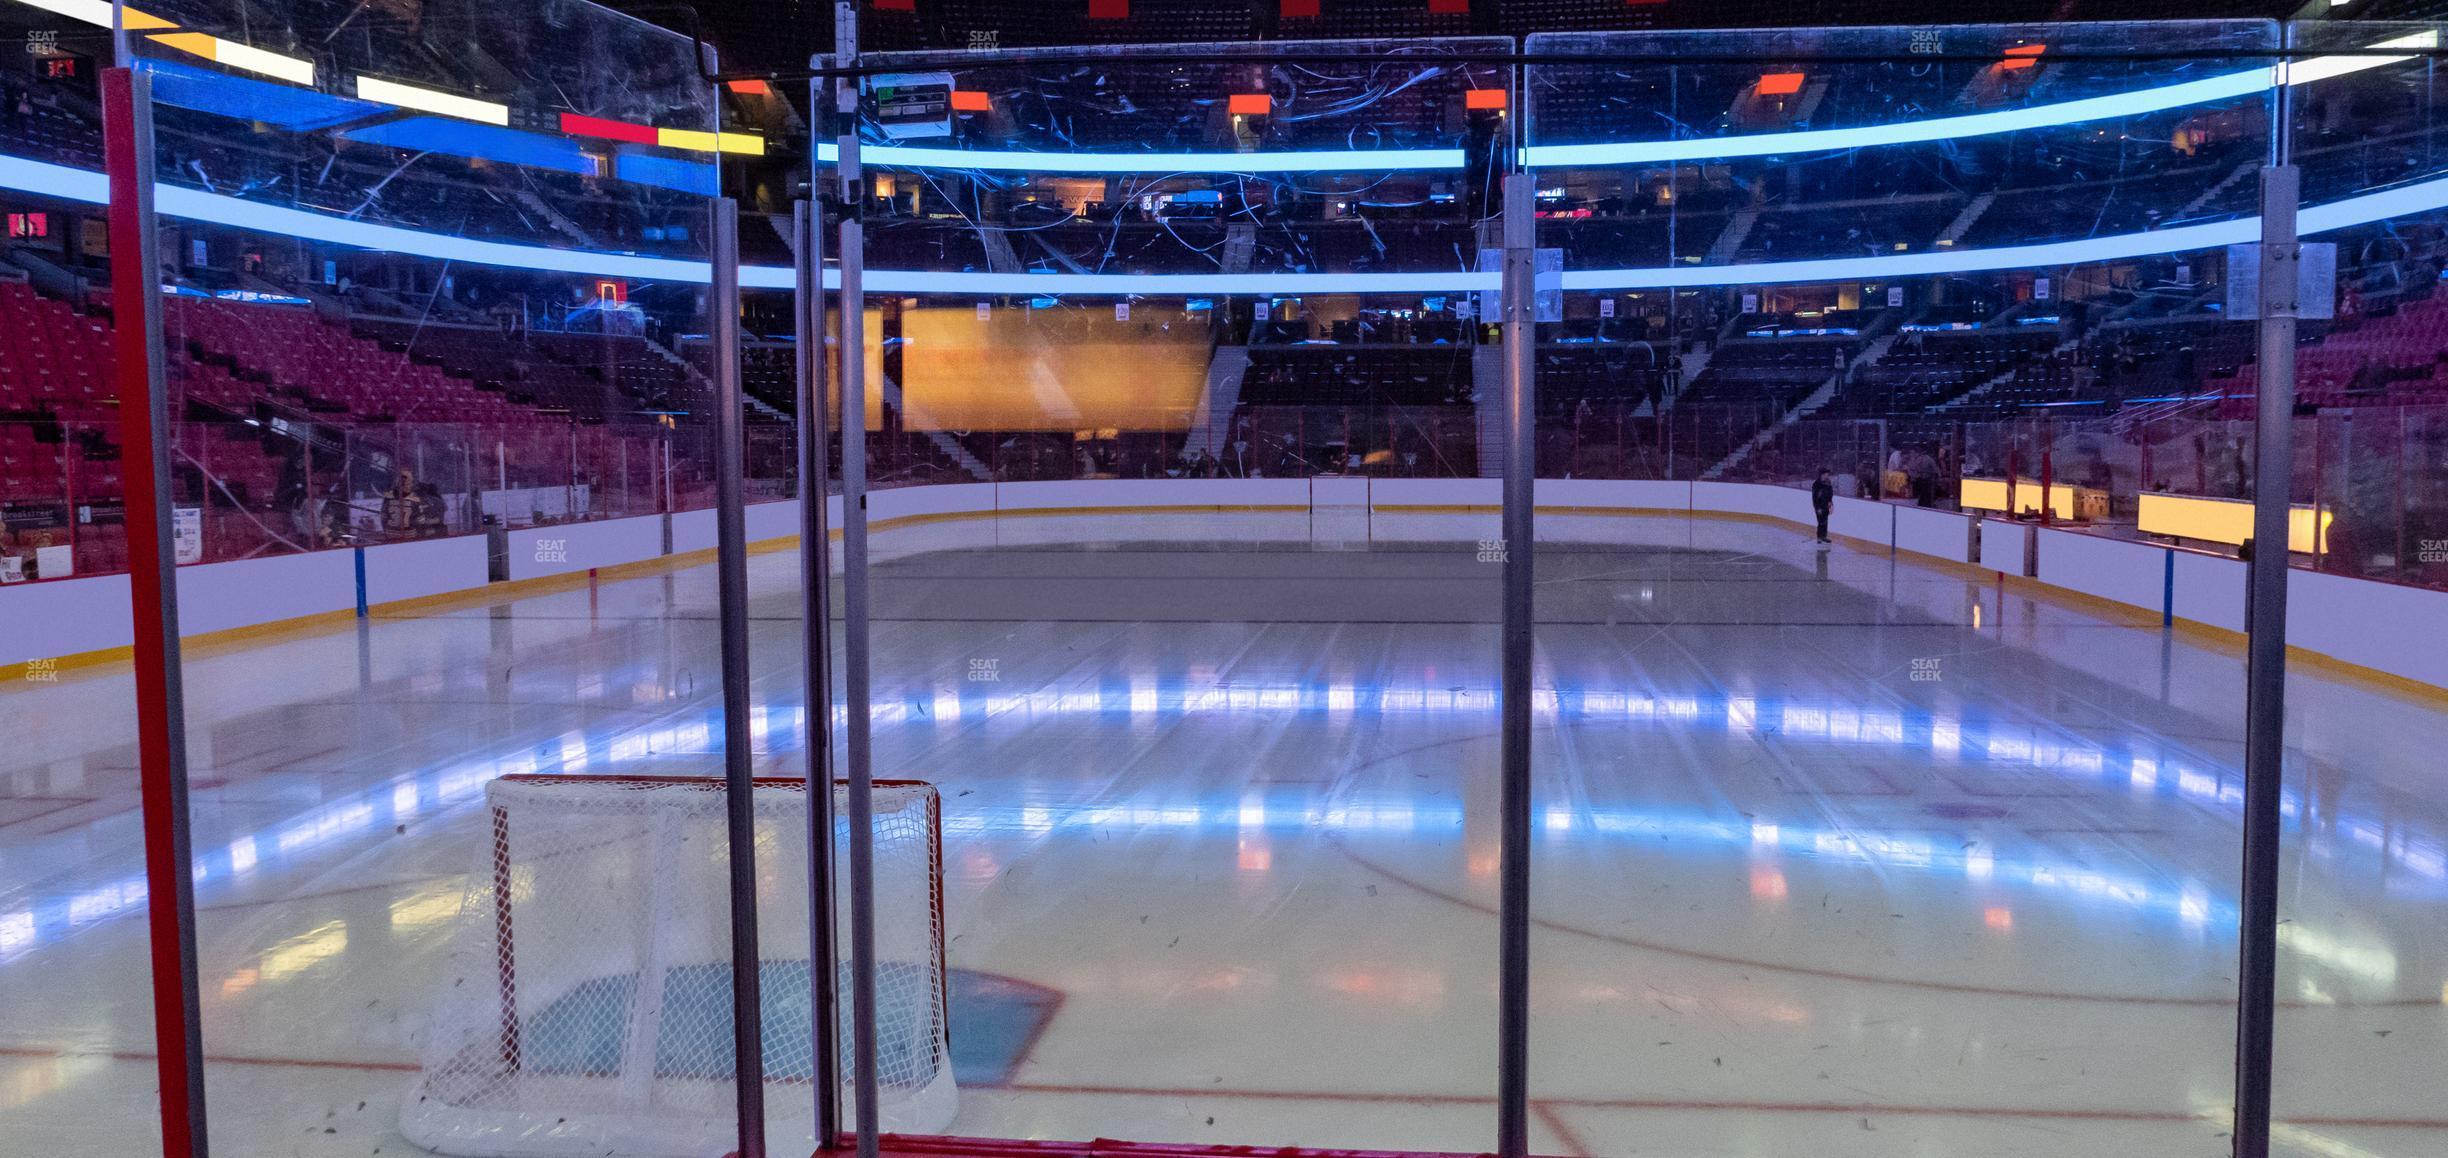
<point>586,1003</point>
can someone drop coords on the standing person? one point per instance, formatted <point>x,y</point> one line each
<point>1823,501</point>
<point>1922,468</point>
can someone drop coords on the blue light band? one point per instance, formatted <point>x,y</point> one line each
<point>44,178</point>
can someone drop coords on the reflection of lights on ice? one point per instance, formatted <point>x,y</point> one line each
<point>1979,864</point>
<point>16,931</point>
<point>2145,772</point>
<point>2194,907</point>
<point>1763,833</point>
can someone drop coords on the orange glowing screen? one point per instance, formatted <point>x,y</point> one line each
<point>2022,57</point>
<point>1780,83</point>
<point>970,102</point>
<point>1484,98</point>
<point>1251,104</point>
<point>751,88</point>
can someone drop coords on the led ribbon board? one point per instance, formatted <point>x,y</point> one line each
<point>2182,94</point>
<point>2227,86</point>
<point>47,179</point>
<point>1023,161</point>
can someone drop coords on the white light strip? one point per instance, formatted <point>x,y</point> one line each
<point>94,12</point>
<point>2126,104</point>
<point>392,92</point>
<point>1023,161</point>
<point>2321,68</point>
<point>1172,284</point>
<point>46,179</point>
<point>2048,253</point>
<point>256,60</point>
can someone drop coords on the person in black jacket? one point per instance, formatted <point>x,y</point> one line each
<point>1823,500</point>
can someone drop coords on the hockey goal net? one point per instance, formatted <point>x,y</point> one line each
<point>586,1007</point>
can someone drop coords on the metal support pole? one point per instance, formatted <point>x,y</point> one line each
<point>816,619</point>
<point>1878,470</point>
<point>739,786</point>
<point>2265,663</point>
<point>1513,906</point>
<point>855,657</point>
<point>161,700</point>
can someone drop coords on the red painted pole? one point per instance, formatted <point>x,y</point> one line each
<point>2048,482</point>
<point>127,147</point>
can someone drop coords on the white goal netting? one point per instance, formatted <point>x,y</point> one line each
<point>586,1007</point>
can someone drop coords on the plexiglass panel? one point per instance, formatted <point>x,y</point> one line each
<point>1207,672</point>
<point>1852,837</point>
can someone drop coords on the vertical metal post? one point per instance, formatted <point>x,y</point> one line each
<point>1878,470</point>
<point>1513,906</point>
<point>161,700</point>
<point>816,615</point>
<point>731,575</point>
<point>855,657</point>
<point>2265,658</point>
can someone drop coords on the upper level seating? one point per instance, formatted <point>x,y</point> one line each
<point>2138,199</point>
<point>40,126</point>
<point>2042,380</point>
<point>1804,233</point>
<point>1747,384</point>
<point>1569,375</point>
<point>929,245</point>
<point>770,373</point>
<point>2178,356</point>
<point>1773,367</point>
<point>1922,370</point>
<point>1327,375</point>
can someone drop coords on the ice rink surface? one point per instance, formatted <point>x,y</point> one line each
<point>1836,854</point>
